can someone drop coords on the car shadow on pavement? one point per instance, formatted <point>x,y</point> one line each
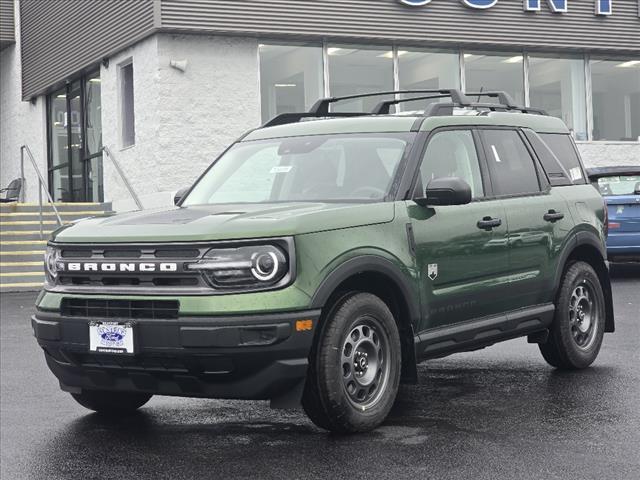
<point>479,408</point>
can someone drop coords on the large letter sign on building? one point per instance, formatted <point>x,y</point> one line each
<point>603,7</point>
<point>556,6</point>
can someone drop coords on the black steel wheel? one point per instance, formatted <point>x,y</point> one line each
<point>355,366</point>
<point>577,331</point>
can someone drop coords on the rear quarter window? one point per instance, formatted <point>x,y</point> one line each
<point>566,154</point>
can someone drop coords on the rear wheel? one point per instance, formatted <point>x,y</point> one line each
<point>577,331</point>
<point>111,403</point>
<point>355,366</point>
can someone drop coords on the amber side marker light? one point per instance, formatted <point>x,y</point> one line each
<point>304,325</point>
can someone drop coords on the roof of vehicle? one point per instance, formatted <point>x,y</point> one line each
<point>319,120</point>
<point>398,123</point>
<point>598,172</point>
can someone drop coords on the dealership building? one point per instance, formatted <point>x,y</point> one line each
<point>166,85</point>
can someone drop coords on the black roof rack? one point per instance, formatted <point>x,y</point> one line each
<point>321,107</point>
<point>503,97</point>
<point>383,108</point>
<point>458,99</point>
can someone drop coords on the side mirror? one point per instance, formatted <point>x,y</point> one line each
<point>446,191</point>
<point>180,195</point>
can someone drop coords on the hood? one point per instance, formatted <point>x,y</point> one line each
<point>224,222</point>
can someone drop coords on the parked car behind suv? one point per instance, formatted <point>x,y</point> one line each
<point>322,256</point>
<point>620,186</point>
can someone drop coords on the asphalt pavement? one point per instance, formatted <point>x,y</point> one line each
<point>496,413</point>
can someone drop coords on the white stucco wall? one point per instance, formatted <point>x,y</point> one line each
<point>605,154</point>
<point>183,120</point>
<point>20,122</point>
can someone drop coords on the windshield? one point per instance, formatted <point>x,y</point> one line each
<point>624,185</point>
<point>345,168</point>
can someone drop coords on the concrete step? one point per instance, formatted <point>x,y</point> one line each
<point>66,217</point>
<point>28,266</point>
<point>33,226</point>
<point>21,256</point>
<point>22,286</point>
<point>61,207</point>
<point>24,235</point>
<point>10,247</point>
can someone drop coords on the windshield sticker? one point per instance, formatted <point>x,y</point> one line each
<point>575,173</point>
<point>495,153</point>
<point>282,169</point>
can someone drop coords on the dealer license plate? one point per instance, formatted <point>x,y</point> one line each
<point>111,337</point>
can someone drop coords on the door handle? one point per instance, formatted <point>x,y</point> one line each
<point>488,223</point>
<point>553,216</point>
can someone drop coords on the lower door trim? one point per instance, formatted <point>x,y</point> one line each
<point>482,332</point>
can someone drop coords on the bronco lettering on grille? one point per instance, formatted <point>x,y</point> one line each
<point>118,267</point>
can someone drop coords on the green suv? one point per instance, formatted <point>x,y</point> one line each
<point>325,254</point>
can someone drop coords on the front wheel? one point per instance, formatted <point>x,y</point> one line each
<point>354,367</point>
<point>577,331</point>
<point>111,403</point>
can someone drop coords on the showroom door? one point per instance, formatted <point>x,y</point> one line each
<point>74,137</point>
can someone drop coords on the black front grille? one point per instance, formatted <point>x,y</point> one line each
<point>123,309</point>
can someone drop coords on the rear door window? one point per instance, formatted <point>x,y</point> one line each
<point>562,147</point>
<point>512,167</point>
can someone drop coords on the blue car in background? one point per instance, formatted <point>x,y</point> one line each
<point>620,186</point>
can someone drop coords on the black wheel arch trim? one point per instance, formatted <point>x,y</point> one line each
<point>590,239</point>
<point>368,264</point>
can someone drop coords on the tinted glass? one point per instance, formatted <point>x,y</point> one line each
<point>512,168</point>
<point>291,78</point>
<point>619,185</point>
<point>556,173</point>
<point>349,168</point>
<point>451,153</point>
<point>93,114</point>
<point>565,152</point>
<point>128,109</point>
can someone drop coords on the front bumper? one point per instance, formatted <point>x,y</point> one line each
<point>242,357</point>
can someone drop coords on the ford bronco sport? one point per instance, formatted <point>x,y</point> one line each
<point>322,256</point>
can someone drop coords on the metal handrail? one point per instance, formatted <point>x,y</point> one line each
<point>116,164</point>
<point>41,184</point>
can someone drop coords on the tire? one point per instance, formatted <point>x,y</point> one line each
<point>111,403</point>
<point>576,334</point>
<point>355,366</point>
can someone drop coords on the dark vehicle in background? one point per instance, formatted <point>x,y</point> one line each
<point>620,186</point>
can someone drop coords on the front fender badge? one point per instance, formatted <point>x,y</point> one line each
<point>432,271</point>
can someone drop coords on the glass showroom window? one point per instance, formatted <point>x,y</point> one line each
<point>354,70</point>
<point>557,85</point>
<point>495,72</point>
<point>420,70</point>
<point>616,99</point>
<point>291,78</point>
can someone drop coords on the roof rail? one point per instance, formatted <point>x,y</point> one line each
<point>444,109</point>
<point>383,107</point>
<point>503,97</point>
<point>458,99</point>
<point>321,107</point>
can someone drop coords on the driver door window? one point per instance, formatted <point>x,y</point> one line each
<point>451,153</point>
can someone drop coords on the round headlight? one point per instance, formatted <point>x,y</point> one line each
<point>247,267</point>
<point>51,257</point>
<point>265,266</point>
